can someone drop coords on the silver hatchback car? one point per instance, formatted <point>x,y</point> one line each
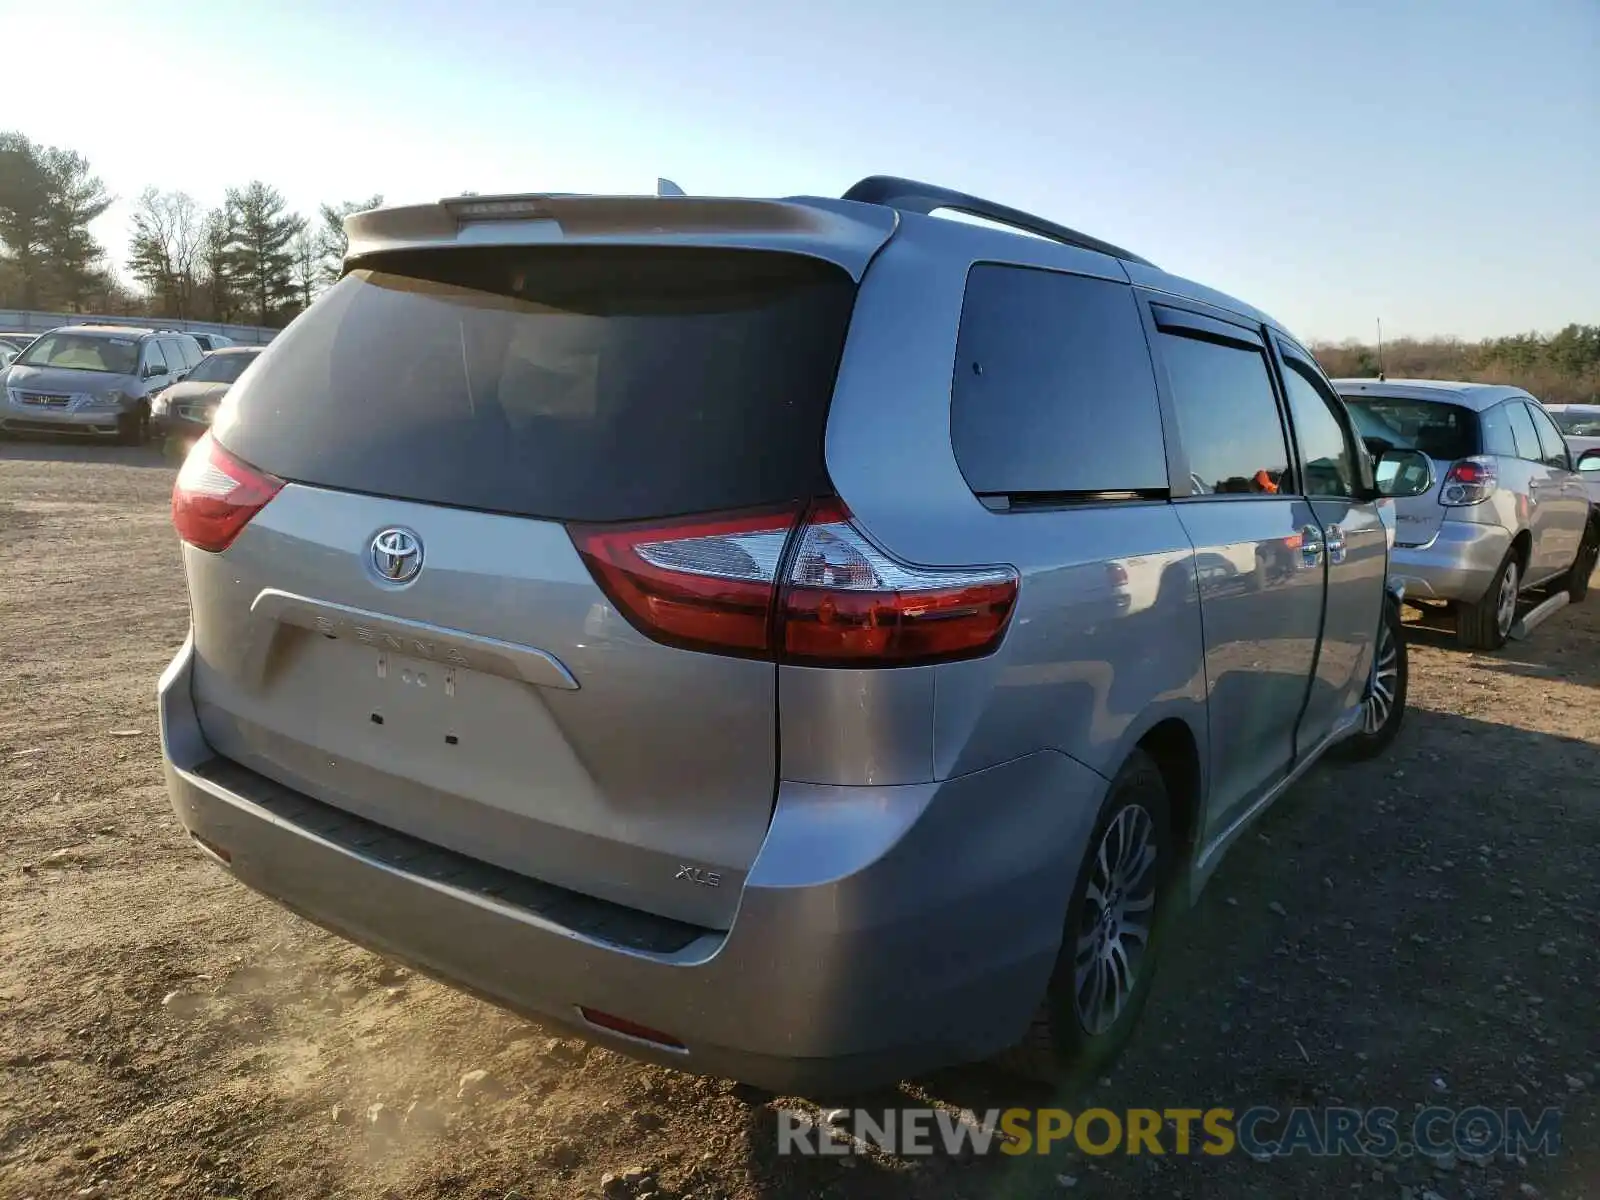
<point>1510,511</point>
<point>810,641</point>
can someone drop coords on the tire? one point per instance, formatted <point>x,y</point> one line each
<point>1384,708</point>
<point>133,429</point>
<point>1576,583</point>
<point>1061,1046</point>
<point>1486,624</point>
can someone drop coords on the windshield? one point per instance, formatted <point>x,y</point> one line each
<point>1577,423</point>
<point>220,368</point>
<point>83,352</point>
<point>1440,430</point>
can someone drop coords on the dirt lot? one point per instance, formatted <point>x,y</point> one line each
<point>1415,931</point>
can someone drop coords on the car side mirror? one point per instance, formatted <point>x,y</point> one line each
<point>1589,462</point>
<point>1401,474</point>
<point>151,371</point>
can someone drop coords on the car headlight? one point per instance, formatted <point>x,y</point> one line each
<point>101,400</point>
<point>158,406</point>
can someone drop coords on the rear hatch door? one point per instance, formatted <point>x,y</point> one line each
<point>1445,432</point>
<point>407,630</point>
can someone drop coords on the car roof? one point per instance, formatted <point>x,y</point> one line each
<point>1577,408</point>
<point>1476,396</point>
<point>238,350</point>
<point>849,229</point>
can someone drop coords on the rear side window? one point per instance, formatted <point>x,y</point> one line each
<point>1494,424</point>
<point>1227,416</point>
<point>1550,439</point>
<point>1523,432</point>
<point>1053,390</point>
<point>585,384</point>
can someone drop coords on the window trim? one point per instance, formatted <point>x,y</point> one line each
<point>1291,356</point>
<point>1535,411</point>
<point>1198,321</point>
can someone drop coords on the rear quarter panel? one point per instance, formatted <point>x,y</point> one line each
<point>1093,657</point>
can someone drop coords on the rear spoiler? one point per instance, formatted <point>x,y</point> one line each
<point>840,232</point>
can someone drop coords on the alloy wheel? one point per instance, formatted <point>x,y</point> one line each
<point>1506,607</point>
<point>1117,919</point>
<point>1385,674</point>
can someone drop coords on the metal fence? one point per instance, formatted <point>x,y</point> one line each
<point>13,320</point>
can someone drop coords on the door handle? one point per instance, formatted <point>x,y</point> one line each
<point>1310,546</point>
<point>1336,544</point>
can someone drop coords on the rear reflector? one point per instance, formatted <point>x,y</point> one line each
<point>809,590</point>
<point>629,1029</point>
<point>216,495</point>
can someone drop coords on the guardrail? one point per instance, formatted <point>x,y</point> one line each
<point>14,320</point>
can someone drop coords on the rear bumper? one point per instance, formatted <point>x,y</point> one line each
<point>882,931</point>
<point>1458,564</point>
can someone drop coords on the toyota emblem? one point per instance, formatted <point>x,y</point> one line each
<point>397,555</point>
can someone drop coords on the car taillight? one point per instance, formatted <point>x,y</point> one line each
<point>216,495</point>
<point>1469,481</point>
<point>806,589</point>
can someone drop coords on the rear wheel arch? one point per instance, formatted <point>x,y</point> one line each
<point>1522,547</point>
<point>1176,751</point>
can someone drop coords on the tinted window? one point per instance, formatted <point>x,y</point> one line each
<point>1327,461</point>
<point>1495,427</point>
<point>1522,430</point>
<point>1550,439</point>
<point>595,384</point>
<point>1053,387</point>
<point>1227,416</point>
<point>153,357</point>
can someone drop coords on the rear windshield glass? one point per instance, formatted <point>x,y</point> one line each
<point>82,352</point>
<point>1439,429</point>
<point>592,383</point>
<point>220,368</point>
<point>1576,423</point>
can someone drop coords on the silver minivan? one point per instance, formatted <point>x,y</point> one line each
<point>810,641</point>
<point>1509,511</point>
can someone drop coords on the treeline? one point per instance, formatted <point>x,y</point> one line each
<point>1563,368</point>
<point>250,260</point>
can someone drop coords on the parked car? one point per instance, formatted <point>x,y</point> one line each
<point>1579,424</point>
<point>1508,513</point>
<point>655,634</point>
<point>93,380</point>
<point>182,413</point>
<point>213,341</point>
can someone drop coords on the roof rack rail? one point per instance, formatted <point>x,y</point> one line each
<point>925,198</point>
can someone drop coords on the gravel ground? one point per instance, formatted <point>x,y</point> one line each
<point>1414,931</point>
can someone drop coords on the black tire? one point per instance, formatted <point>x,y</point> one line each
<point>1059,1048</point>
<point>1390,672</point>
<point>1482,626</point>
<point>133,429</point>
<point>1576,583</point>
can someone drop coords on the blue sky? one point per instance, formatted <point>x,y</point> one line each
<point>1435,163</point>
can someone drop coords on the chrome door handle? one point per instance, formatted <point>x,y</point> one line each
<point>1310,546</point>
<point>1336,544</point>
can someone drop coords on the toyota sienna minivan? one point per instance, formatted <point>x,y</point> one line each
<point>810,641</point>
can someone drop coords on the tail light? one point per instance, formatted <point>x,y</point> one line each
<point>216,495</point>
<point>807,589</point>
<point>1469,481</point>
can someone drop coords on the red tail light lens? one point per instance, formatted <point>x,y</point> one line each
<point>714,585</point>
<point>1470,481</point>
<point>216,495</point>
<point>703,585</point>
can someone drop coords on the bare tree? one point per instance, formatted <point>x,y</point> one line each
<point>332,235</point>
<point>306,270</point>
<point>168,236</point>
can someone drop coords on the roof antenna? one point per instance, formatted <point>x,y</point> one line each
<point>1381,375</point>
<point>665,187</point>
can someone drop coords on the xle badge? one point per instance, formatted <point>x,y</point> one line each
<point>700,875</point>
